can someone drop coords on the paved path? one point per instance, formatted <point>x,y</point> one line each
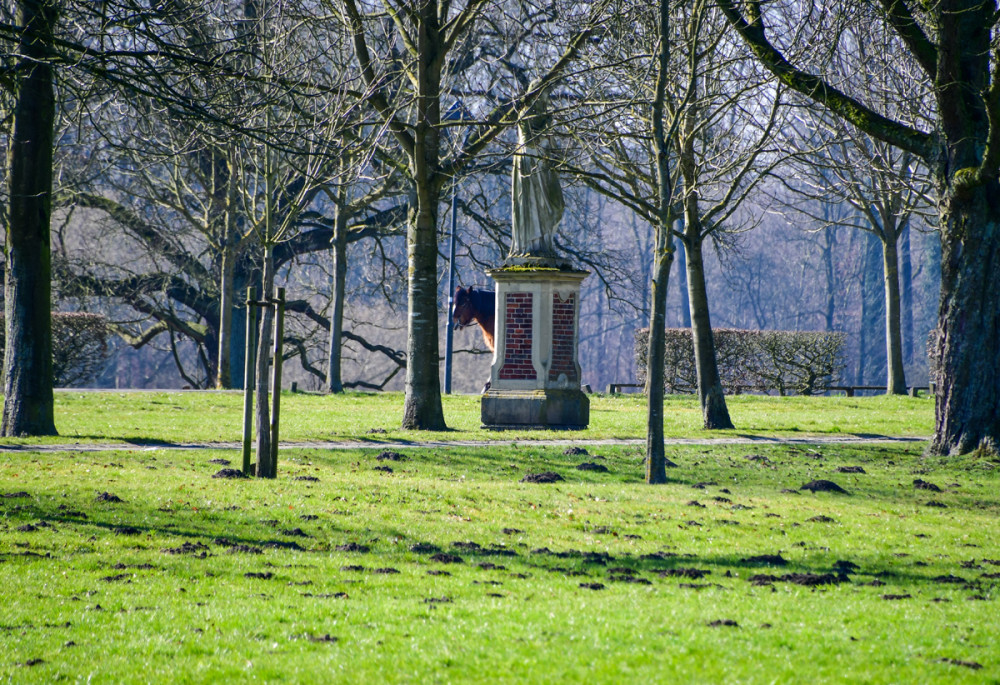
<point>431,444</point>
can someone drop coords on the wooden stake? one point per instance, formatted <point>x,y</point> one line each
<point>279,340</point>
<point>248,381</point>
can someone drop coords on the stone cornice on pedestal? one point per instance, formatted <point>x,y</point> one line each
<point>536,273</point>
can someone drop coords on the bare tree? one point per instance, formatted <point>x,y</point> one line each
<point>954,42</point>
<point>406,53</point>
<point>723,122</point>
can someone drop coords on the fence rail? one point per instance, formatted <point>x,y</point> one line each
<point>848,390</point>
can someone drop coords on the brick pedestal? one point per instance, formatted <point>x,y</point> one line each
<point>535,378</point>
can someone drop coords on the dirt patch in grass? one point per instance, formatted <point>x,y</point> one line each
<point>126,530</point>
<point>692,573</point>
<point>424,548</point>
<point>259,575</point>
<point>389,455</point>
<point>629,579</point>
<point>823,486</point>
<point>118,578</point>
<point>443,558</point>
<point>283,544</point>
<point>965,664</point>
<point>108,497</point>
<point>230,473</point>
<point>196,549</point>
<point>383,469</point>
<point>575,451</point>
<point>220,462</point>
<point>307,479</point>
<point>924,485</point>
<point>591,466</point>
<point>354,547</point>
<point>806,579</point>
<point>724,623</point>
<point>948,579</point>
<point>769,559</point>
<point>544,477</point>
<point>438,600</point>
<point>592,586</point>
<point>850,469</point>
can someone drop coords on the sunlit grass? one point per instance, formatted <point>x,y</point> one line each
<point>179,417</point>
<point>87,599</point>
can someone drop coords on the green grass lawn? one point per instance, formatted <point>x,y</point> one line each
<point>215,417</point>
<point>338,572</point>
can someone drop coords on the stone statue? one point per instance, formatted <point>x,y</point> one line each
<point>536,198</point>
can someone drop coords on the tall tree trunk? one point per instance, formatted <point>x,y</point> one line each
<point>338,282</point>
<point>713,401</point>
<point>226,181</point>
<point>871,350</point>
<point>263,413</point>
<point>830,237</point>
<point>906,294</point>
<point>967,347</point>
<point>227,299</point>
<point>663,257</point>
<point>422,405</point>
<point>895,375</point>
<point>682,286</point>
<point>28,379</point>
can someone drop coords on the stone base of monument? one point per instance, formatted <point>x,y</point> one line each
<point>535,377</point>
<point>552,409</point>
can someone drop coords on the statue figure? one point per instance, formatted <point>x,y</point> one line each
<point>536,197</point>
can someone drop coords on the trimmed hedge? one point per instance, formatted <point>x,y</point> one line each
<point>80,347</point>
<point>799,362</point>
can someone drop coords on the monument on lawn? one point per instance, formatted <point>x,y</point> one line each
<point>535,377</point>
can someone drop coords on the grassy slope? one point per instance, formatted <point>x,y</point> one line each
<point>179,417</point>
<point>190,619</point>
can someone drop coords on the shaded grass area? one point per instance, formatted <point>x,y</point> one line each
<point>441,566</point>
<point>216,417</point>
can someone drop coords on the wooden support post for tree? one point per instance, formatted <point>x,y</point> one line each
<point>279,338</point>
<point>248,380</point>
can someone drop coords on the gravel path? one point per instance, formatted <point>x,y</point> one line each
<point>407,444</point>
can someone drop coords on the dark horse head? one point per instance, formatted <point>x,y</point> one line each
<point>468,306</point>
<point>475,306</point>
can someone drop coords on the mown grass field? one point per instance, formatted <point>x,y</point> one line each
<point>217,417</point>
<point>441,566</point>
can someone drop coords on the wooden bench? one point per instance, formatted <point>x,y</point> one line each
<point>615,388</point>
<point>849,390</point>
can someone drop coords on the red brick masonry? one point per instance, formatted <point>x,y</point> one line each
<point>517,339</point>
<point>563,314</point>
